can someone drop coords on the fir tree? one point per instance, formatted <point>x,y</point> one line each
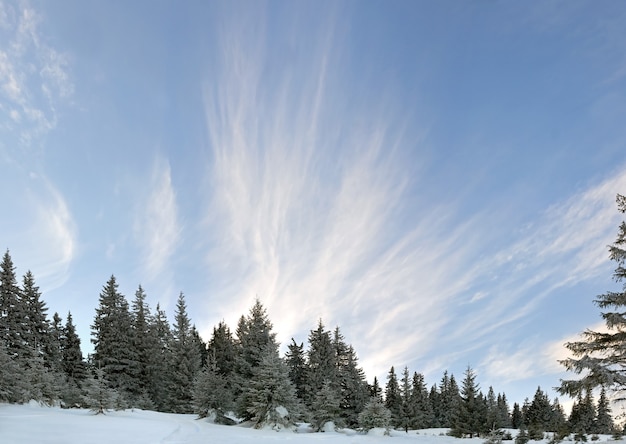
<point>539,415</point>
<point>296,362</point>
<point>221,350</point>
<point>375,390</point>
<point>255,339</point>
<point>375,415</point>
<point>393,399</point>
<point>517,419</point>
<point>185,361</point>
<point>143,346</point>
<point>270,397</point>
<point>211,395</point>
<point>423,416</point>
<point>604,422</point>
<point>599,355</point>
<point>160,359</point>
<point>71,354</point>
<point>13,320</point>
<point>37,324</point>
<point>113,353</point>
<point>353,391</point>
<point>407,410</point>
<point>467,420</point>
<point>320,362</point>
<point>326,407</point>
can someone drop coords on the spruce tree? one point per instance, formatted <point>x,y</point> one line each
<point>295,359</point>
<point>517,419</point>
<point>467,419</point>
<point>604,422</point>
<point>185,360</point>
<point>211,395</point>
<point>423,416</point>
<point>270,397</point>
<point>320,362</point>
<point>539,415</point>
<point>143,346</point>
<point>350,380</point>
<point>326,407</point>
<point>375,390</point>
<point>599,355</point>
<point>221,350</point>
<point>160,367</point>
<point>13,320</point>
<point>407,410</point>
<point>255,340</point>
<point>37,324</point>
<point>375,415</point>
<point>393,399</point>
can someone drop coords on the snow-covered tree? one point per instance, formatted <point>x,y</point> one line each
<point>423,416</point>
<point>185,360</point>
<point>599,356</point>
<point>604,422</point>
<point>393,399</point>
<point>320,362</point>
<point>326,407</point>
<point>160,358</point>
<point>270,397</point>
<point>211,395</point>
<point>375,415</point>
<point>113,353</point>
<point>295,359</point>
<point>467,418</point>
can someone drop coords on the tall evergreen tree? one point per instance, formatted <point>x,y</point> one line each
<point>295,359</point>
<point>159,368</point>
<point>393,399</point>
<point>270,397</point>
<point>143,346</point>
<point>255,340</point>
<point>320,362</point>
<point>467,418</point>
<point>13,320</point>
<point>113,352</point>
<point>504,415</point>
<point>37,324</point>
<point>539,415</point>
<point>600,355</point>
<point>423,416</point>
<point>185,360</point>
<point>517,419</point>
<point>72,356</point>
<point>604,422</point>
<point>375,390</point>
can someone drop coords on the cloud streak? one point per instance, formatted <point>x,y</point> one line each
<point>156,226</point>
<point>326,218</point>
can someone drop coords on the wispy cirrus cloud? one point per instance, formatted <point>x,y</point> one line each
<point>34,77</point>
<point>156,225</point>
<point>317,209</point>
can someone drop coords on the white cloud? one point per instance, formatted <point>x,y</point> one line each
<point>34,77</point>
<point>156,224</point>
<point>311,213</point>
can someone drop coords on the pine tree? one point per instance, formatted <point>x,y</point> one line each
<point>185,360</point>
<point>143,346</point>
<point>8,375</point>
<point>375,390</point>
<point>211,395</point>
<point>467,420</point>
<point>539,415</point>
<point>582,417</point>
<point>493,414</point>
<point>351,382</point>
<point>160,359</point>
<point>113,352</point>
<point>393,400</point>
<point>407,411</point>
<point>504,415</point>
<point>326,407</point>
<point>598,355</point>
<point>517,419</point>
<point>320,362</point>
<point>74,367</point>
<point>423,416</point>
<point>13,318</point>
<point>296,362</point>
<point>558,422</point>
<point>221,350</point>
<point>255,339</point>
<point>449,401</point>
<point>270,398</point>
<point>37,324</point>
<point>375,415</point>
<point>604,422</point>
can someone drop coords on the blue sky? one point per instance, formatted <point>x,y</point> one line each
<point>436,178</point>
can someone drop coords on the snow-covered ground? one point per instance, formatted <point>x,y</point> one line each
<point>33,424</point>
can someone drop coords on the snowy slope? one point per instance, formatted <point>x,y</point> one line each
<point>32,424</point>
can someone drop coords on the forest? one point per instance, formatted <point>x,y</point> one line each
<point>140,360</point>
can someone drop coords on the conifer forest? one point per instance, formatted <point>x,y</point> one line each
<point>143,360</point>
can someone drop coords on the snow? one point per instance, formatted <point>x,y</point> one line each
<point>34,424</point>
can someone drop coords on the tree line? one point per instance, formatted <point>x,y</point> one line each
<point>140,360</point>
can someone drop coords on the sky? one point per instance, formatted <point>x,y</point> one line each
<point>438,179</point>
